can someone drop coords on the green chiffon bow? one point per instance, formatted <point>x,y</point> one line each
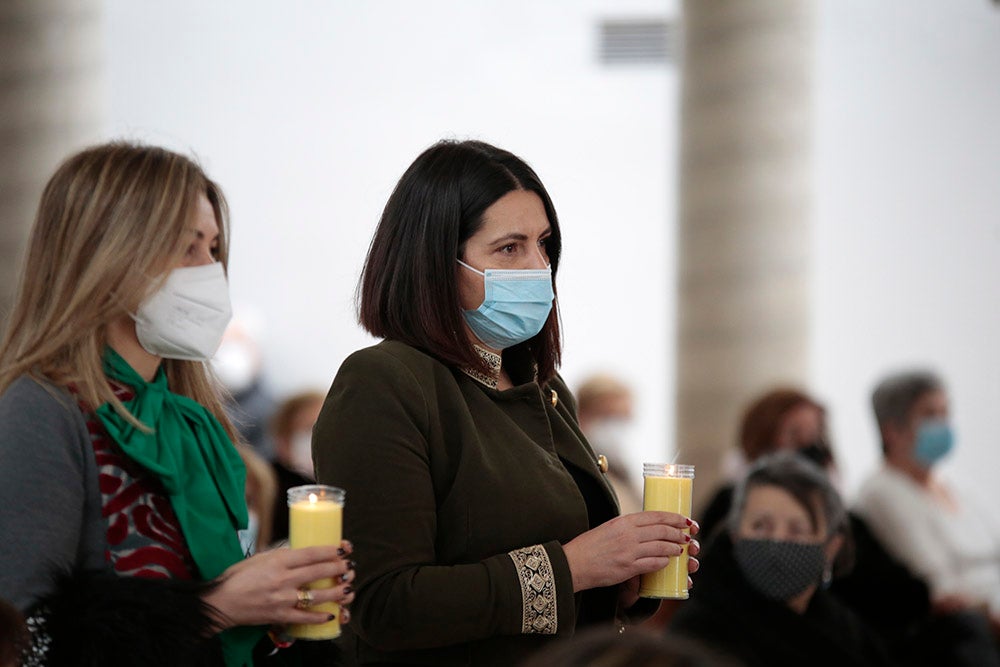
<point>198,467</point>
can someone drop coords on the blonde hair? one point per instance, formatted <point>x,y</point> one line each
<point>599,388</point>
<point>112,221</point>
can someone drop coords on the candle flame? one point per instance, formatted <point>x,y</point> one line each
<point>312,498</point>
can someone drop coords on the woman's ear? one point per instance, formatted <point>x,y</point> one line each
<point>833,547</point>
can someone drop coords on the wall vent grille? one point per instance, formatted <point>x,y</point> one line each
<point>638,41</point>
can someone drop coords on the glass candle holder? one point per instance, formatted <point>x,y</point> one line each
<point>667,488</point>
<point>316,518</point>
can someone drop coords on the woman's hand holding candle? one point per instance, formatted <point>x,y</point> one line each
<point>627,546</point>
<point>264,589</point>
<point>315,518</point>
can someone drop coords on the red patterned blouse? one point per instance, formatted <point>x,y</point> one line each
<point>144,535</point>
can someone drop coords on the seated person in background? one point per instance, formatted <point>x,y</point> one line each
<point>781,419</point>
<point>878,588</point>
<point>261,490</point>
<point>941,534</point>
<point>604,408</point>
<point>291,430</point>
<point>237,365</point>
<point>760,595</point>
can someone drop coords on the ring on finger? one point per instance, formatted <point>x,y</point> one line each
<point>304,598</point>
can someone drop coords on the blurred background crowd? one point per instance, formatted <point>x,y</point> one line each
<point>780,230</point>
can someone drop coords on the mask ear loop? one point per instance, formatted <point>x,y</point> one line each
<point>132,313</point>
<point>548,267</point>
<point>153,285</point>
<point>470,268</point>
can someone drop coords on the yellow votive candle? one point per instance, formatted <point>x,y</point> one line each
<point>667,488</point>
<point>315,518</point>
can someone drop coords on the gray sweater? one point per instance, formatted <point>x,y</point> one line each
<point>50,502</point>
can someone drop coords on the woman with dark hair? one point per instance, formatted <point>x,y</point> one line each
<point>761,595</point>
<point>486,523</point>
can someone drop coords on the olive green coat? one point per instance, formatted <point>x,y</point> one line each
<point>459,497</point>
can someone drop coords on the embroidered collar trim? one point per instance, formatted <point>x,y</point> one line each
<point>492,360</point>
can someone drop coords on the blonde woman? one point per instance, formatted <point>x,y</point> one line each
<point>121,492</point>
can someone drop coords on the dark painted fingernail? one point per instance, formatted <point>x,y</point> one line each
<point>348,590</point>
<point>331,617</point>
<point>687,538</point>
<point>690,522</point>
<point>341,552</point>
<point>343,577</point>
<point>351,565</point>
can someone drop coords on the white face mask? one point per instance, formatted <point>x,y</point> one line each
<point>301,454</point>
<point>186,318</point>
<point>610,435</point>
<point>235,364</point>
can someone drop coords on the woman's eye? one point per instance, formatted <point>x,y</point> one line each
<point>508,249</point>
<point>799,533</point>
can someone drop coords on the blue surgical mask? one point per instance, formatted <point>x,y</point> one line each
<point>517,304</point>
<point>934,440</point>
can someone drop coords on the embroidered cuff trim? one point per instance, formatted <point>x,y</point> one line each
<point>538,590</point>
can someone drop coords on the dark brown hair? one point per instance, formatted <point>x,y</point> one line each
<point>759,428</point>
<point>408,289</point>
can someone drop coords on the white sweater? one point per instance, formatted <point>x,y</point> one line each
<point>955,552</point>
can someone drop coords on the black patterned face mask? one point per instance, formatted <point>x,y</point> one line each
<point>817,452</point>
<point>779,570</point>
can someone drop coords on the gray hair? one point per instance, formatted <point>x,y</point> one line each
<point>896,395</point>
<point>801,479</point>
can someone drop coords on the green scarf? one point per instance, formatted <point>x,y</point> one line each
<point>198,467</point>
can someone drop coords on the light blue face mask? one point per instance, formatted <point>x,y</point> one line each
<point>517,304</point>
<point>935,440</point>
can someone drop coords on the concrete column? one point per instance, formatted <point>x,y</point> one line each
<point>51,103</point>
<point>744,244</point>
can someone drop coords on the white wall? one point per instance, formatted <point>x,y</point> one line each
<point>908,216</point>
<point>308,112</point>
